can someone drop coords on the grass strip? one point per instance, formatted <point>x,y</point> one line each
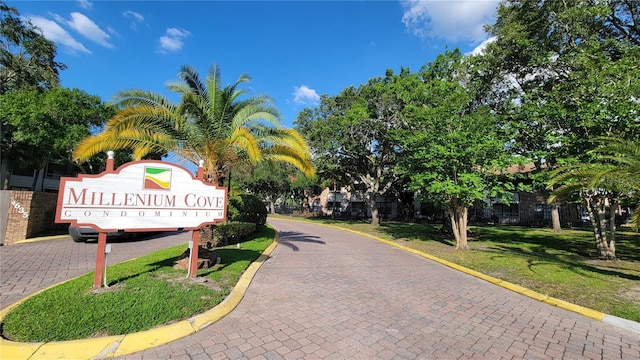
<point>143,293</point>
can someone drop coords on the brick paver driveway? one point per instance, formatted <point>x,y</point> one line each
<point>330,294</point>
<point>29,267</point>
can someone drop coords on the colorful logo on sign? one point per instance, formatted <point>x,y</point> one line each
<point>156,178</point>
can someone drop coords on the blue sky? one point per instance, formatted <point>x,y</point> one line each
<point>294,51</point>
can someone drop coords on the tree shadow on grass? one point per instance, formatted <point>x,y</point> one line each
<point>289,238</point>
<point>539,256</point>
<point>420,232</point>
<point>578,242</point>
<point>230,256</point>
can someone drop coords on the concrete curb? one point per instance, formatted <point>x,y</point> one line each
<point>118,345</point>
<point>621,323</point>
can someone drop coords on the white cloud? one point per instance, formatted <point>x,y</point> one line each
<point>135,17</point>
<point>172,40</point>
<point>85,4</point>
<point>89,29</point>
<point>305,95</point>
<point>54,32</point>
<point>452,20</point>
<point>479,50</point>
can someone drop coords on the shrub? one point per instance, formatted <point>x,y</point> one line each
<point>247,208</point>
<point>232,232</point>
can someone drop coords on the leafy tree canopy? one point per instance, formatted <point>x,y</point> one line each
<point>563,72</point>
<point>452,145</point>
<point>349,135</point>
<point>26,56</point>
<point>39,126</point>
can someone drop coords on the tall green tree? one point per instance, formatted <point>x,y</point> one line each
<point>267,180</point>
<point>27,62</point>
<point>303,189</point>
<point>275,182</point>
<point>27,58</point>
<point>565,71</point>
<point>42,126</point>
<point>211,122</point>
<point>349,135</point>
<point>451,146</point>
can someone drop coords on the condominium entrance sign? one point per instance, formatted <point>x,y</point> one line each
<point>139,196</point>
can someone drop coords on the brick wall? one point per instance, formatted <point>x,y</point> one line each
<point>30,214</point>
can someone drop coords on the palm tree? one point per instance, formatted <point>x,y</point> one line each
<point>601,185</point>
<point>210,123</point>
<point>625,155</point>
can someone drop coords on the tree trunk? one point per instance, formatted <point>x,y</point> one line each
<point>452,219</point>
<point>375,221</point>
<point>603,241</point>
<point>597,208</point>
<point>612,230</point>
<point>555,217</point>
<point>458,215</point>
<point>272,207</point>
<point>305,202</point>
<point>462,226</point>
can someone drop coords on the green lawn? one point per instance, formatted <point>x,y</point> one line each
<point>561,265</point>
<point>143,293</point>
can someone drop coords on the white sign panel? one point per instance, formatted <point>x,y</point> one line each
<point>142,195</point>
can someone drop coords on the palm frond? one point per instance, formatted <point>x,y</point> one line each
<point>293,158</point>
<point>244,140</point>
<point>616,171</point>
<point>129,98</point>
<point>190,76</point>
<point>211,122</point>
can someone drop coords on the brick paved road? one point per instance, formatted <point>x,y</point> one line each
<point>29,267</point>
<point>329,294</point>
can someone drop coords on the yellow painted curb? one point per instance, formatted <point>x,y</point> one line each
<point>119,345</point>
<point>150,338</point>
<point>43,238</point>
<point>597,315</point>
<point>230,302</point>
<point>75,349</point>
<point>513,287</point>
<point>535,295</point>
<point>16,350</point>
<point>594,314</point>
